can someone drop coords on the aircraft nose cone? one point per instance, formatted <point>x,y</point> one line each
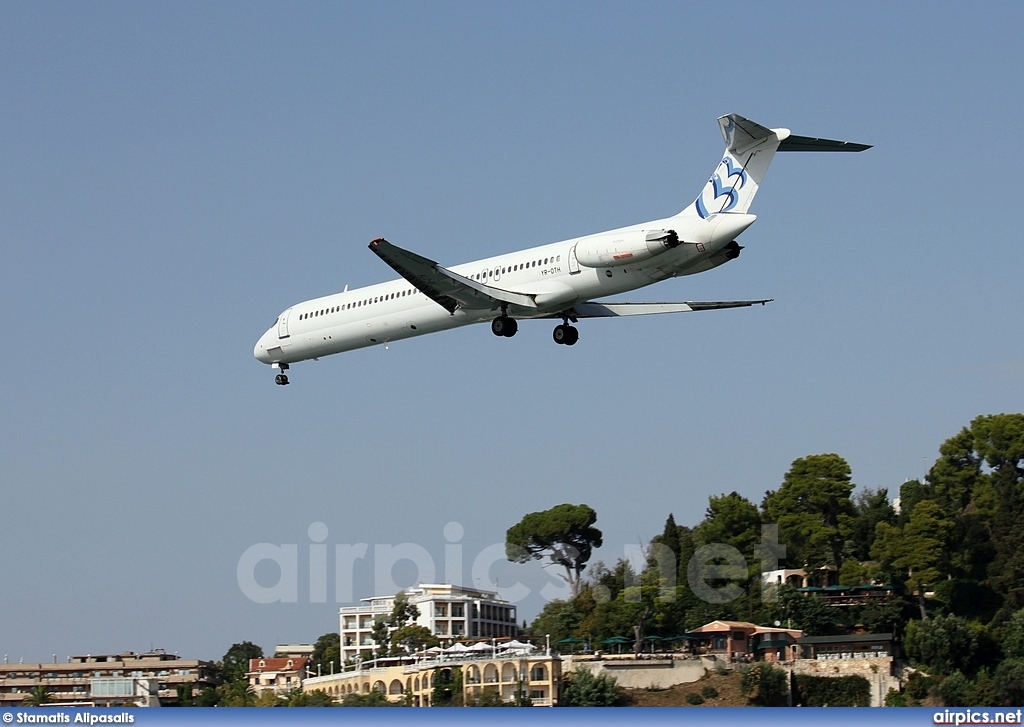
<point>259,351</point>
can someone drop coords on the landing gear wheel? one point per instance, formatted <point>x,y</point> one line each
<point>281,380</point>
<point>566,334</point>
<point>504,326</point>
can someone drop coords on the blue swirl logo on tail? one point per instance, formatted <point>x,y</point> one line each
<point>721,189</point>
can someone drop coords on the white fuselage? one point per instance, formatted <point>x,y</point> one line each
<point>396,310</point>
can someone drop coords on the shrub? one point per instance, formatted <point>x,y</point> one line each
<point>765,685</point>
<point>709,692</point>
<point>848,691</point>
<point>583,689</point>
<point>896,698</point>
<point>918,685</point>
<point>694,698</point>
<point>954,690</point>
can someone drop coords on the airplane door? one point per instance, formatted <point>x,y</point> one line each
<point>282,325</point>
<point>574,264</point>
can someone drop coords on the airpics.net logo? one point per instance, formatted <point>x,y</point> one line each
<point>713,573</point>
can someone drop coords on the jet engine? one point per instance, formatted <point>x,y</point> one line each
<point>624,248</point>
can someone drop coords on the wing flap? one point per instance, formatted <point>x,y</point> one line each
<point>592,309</point>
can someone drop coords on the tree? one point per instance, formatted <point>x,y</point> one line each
<point>447,689</point>
<point>315,698</point>
<point>999,444</point>
<point>381,636</point>
<point>583,689</point>
<point>237,693</point>
<point>373,699</point>
<point>915,552</point>
<point>670,537</point>
<point>978,482</point>
<point>558,619</point>
<point>208,697</point>
<point>945,644</point>
<point>565,534</point>
<point>235,664</point>
<point>806,612</point>
<point>870,507</point>
<point>402,612</point>
<point>1013,636</point>
<point>813,510</point>
<point>955,690</point>
<point>410,638</point>
<point>326,652</point>
<point>1009,680</point>
<point>185,694</point>
<point>39,696</point>
<point>732,521</point>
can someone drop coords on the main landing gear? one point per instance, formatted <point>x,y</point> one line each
<point>504,326</point>
<point>281,379</point>
<point>566,334</point>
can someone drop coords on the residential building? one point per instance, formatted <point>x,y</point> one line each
<point>740,641</point>
<point>107,680</point>
<point>450,612</point>
<point>871,656</point>
<point>849,646</point>
<point>293,651</point>
<point>277,675</point>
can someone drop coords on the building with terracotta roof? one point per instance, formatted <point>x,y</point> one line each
<point>279,675</point>
<point>741,641</point>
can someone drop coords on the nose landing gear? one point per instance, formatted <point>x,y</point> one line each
<point>281,379</point>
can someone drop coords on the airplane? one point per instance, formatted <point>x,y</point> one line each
<point>562,280</point>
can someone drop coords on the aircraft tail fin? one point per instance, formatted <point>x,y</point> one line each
<point>749,149</point>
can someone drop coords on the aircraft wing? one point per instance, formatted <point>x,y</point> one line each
<point>449,290</point>
<point>591,309</point>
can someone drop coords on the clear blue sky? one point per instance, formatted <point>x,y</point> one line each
<point>174,175</point>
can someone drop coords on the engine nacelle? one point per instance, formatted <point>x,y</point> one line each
<point>624,248</point>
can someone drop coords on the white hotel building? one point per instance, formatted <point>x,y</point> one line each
<point>450,612</point>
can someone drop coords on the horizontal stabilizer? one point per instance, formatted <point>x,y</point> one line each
<point>808,143</point>
<point>615,310</point>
